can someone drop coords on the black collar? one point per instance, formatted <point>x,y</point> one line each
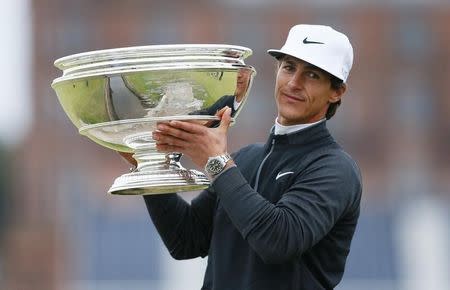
<point>312,134</point>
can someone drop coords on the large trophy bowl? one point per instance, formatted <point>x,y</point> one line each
<point>116,97</point>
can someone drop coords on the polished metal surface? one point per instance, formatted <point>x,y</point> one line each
<point>116,97</point>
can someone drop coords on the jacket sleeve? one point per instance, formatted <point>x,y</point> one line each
<point>303,216</point>
<point>184,228</point>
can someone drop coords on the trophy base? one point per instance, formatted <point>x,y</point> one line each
<point>165,181</point>
<point>156,172</point>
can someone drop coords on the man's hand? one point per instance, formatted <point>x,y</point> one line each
<point>194,140</point>
<point>128,157</point>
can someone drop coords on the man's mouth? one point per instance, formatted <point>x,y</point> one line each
<point>293,97</point>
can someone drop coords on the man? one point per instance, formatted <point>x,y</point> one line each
<point>232,101</point>
<point>279,215</point>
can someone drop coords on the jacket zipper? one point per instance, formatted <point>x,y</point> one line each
<point>262,164</point>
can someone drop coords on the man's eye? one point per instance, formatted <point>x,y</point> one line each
<point>288,67</point>
<point>312,75</point>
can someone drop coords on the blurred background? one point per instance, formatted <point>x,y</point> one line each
<point>60,230</point>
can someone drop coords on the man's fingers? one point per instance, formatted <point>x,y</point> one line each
<point>164,139</point>
<point>128,157</point>
<point>188,127</point>
<point>226,119</point>
<point>221,111</point>
<point>175,129</point>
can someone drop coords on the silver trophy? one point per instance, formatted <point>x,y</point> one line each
<point>116,97</point>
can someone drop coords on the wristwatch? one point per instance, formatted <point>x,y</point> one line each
<point>216,164</point>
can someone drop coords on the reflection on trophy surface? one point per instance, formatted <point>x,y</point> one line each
<point>116,97</point>
<point>232,101</point>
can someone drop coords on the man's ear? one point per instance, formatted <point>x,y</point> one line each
<point>337,94</point>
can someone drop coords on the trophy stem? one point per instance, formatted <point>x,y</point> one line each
<point>158,173</point>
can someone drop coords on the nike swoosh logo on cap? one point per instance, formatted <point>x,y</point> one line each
<point>283,174</point>
<point>306,41</point>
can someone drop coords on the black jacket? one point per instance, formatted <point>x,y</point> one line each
<point>282,219</point>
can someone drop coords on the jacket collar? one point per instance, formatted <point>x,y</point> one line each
<point>316,133</point>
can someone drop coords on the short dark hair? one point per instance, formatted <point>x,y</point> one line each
<point>336,84</point>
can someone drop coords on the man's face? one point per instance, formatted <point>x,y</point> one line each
<point>302,92</point>
<point>243,80</point>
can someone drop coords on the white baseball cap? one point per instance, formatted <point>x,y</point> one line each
<point>321,46</point>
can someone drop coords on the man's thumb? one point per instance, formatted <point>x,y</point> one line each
<point>225,121</point>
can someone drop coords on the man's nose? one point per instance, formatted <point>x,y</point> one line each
<point>296,81</point>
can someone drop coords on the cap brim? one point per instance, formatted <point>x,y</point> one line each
<point>276,53</point>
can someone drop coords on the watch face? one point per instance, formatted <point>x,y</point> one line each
<point>214,166</point>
